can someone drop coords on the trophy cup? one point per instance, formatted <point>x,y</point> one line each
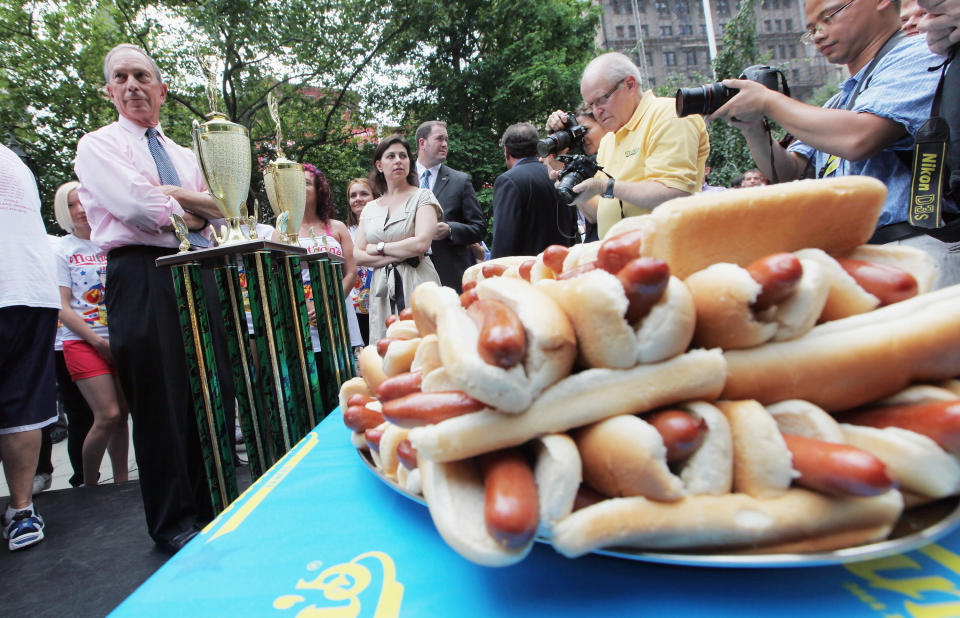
<point>285,186</point>
<point>223,152</point>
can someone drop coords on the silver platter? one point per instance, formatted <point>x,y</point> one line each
<point>917,527</point>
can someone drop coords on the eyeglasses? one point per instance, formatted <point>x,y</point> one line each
<point>605,98</point>
<point>818,26</point>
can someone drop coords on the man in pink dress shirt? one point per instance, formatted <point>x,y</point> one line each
<point>133,178</point>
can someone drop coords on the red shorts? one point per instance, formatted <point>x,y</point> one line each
<point>83,361</point>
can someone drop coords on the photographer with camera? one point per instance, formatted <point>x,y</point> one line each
<point>876,113</point>
<point>527,215</point>
<point>648,155</point>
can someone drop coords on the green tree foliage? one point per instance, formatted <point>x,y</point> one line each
<point>339,67</point>
<point>482,65</point>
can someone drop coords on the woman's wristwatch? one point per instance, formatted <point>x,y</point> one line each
<point>380,247</point>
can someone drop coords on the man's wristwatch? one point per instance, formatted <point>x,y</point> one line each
<point>380,246</point>
<point>608,192</point>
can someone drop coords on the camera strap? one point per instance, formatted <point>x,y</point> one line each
<point>929,162</point>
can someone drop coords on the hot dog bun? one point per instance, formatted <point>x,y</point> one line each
<point>626,456</point>
<point>577,400</point>
<point>371,367</point>
<point>400,355</point>
<point>558,472</point>
<point>762,466</point>
<point>511,263</point>
<point>812,521</point>
<point>845,363</point>
<point>596,304</point>
<point>691,233</point>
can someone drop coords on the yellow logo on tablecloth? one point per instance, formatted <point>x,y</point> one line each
<point>343,584</point>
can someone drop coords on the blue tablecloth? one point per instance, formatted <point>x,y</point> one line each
<point>320,533</point>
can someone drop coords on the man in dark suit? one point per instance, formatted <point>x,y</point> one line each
<point>527,216</point>
<point>463,223</point>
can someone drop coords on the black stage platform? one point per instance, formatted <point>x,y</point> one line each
<point>96,552</point>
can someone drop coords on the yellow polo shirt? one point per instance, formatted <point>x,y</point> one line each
<point>653,145</point>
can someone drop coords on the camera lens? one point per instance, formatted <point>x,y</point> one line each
<point>703,100</point>
<point>554,143</point>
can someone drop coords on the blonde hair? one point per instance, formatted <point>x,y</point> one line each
<point>60,206</point>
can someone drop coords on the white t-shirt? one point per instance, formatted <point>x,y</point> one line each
<point>29,275</point>
<point>58,340</point>
<point>81,266</point>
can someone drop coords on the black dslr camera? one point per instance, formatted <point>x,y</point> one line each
<point>571,135</point>
<point>709,98</point>
<point>576,169</point>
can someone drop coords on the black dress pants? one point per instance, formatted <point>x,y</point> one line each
<point>147,344</point>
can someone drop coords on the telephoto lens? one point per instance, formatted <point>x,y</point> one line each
<point>703,100</point>
<point>556,142</point>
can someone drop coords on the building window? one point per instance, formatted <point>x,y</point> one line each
<point>703,29</point>
<point>644,30</point>
<point>773,52</point>
<point>776,4</point>
<point>686,29</point>
<point>615,5</point>
<point>786,4</point>
<point>619,32</point>
<point>670,59</point>
<point>779,23</point>
<point>632,32</point>
<point>783,51</point>
<point>795,75</point>
<point>666,30</point>
<point>642,6</point>
<point>691,56</point>
<point>793,51</point>
<point>765,4</point>
<point>768,25</point>
<point>788,25</point>
<point>653,82</point>
<point>663,9</point>
<point>649,56</point>
<point>723,7</point>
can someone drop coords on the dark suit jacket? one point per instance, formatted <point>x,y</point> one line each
<point>527,217</point>
<point>461,210</point>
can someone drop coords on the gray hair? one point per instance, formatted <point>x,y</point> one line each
<point>614,66</point>
<point>425,129</point>
<point>61,209</point>
<point>106,61</point>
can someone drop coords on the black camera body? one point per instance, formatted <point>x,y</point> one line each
<point>576,169</point>
<point>706,99</point>
<point>571,135</point>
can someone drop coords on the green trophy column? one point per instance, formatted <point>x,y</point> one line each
<point>232,303</point>
<point>198,345</point>
<point>330,369</point>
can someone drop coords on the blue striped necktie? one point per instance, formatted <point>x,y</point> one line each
<point>425,184</point>
<point>168,176</point>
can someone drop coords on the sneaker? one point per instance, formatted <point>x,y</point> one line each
<point>41,482</point>
<point>24,530</point>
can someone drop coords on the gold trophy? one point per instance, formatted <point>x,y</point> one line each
<point>223,152</point>
<point>286,187</point>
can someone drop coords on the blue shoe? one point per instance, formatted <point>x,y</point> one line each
<point>24,530</point>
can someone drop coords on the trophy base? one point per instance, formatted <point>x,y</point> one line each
<point>217,254</point>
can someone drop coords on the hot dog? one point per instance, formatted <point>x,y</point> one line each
<point>764,513</point>
<point>922,469</point>
<point>502,341</point>
<point>580,399</point>
<point>511,506</point>
<point>640,315</point>
<point>629,456</point>
<point>418,409</point>
<point>938,420</point>
<point>548,347</point>
<point>497,267</point>
<point>399,385</point>
<point>876,353</point>
<point>488,508</point>
<point>777,297</point>
<point>691,233</point>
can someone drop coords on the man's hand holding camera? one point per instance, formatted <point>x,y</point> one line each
<point>747,109</point>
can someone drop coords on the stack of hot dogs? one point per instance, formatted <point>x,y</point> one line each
<point>656,391</point>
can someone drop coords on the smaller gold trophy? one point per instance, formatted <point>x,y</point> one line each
<point>223,152</point>
<point>286,186</point>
